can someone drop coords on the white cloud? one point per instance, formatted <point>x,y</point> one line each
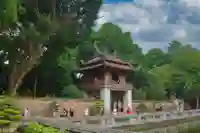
<point>181,33</point>
<point>103,17</point>
<point>154,23</point>
<point>192,3</point>
<point>152,3</point>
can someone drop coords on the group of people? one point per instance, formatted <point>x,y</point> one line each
<point>68,112</point>
<point>118,108</point>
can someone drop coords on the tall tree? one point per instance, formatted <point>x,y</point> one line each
<point>26,36</point>
<point>155,58</point>
<point>109,39</point>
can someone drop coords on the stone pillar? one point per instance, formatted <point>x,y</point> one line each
<point>105,96</point>
<point>127,99</point>
<point>182,106</point>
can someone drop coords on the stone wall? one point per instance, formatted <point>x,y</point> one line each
<point>152,105</point>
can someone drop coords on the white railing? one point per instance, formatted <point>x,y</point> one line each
<point>100,124</point>
<point>141,118</point>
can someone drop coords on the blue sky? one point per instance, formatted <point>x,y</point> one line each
<point>154,23</point>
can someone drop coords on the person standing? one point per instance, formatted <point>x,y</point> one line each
<point>129,110</point>
<point>114,111</point>
<point>102,111</point>
<point>86,112</point>
<point>26,113</point>
<point>71,112</point>
<point>119,109</point>
<point>65,111</point>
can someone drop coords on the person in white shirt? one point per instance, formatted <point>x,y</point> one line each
<point>26,112</point>
<point>119,106</point>
<point>86,112</point>
<point>114,111</point>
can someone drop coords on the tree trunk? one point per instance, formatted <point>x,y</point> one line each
<point>35,88</point>
<point>20,70</point>
<point>197,102</point>
<point>17,75</point>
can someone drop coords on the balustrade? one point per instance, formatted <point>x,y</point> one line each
<point>113,121</point>
<point>92,123</point>
<point>101,84</point>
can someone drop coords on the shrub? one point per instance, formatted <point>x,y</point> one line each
<point>8,112</point>
<point>5,123</point>
<point>71,91</point>
<point>38,128</point>
<point>33,128</point>
<point>142,108</point>
<point>94,110</point>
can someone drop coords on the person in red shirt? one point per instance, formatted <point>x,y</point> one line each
<point>132,114</point>
<point>129,111</point>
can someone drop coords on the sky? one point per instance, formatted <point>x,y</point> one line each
<point>154,23</point>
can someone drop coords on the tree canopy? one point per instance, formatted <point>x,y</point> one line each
<point>31,28</point>
<point>45,41</point>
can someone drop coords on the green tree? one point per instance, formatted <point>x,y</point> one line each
<point>186,60</point>
<point>157,78</point>
<point>26,36</point>
<point>68,62</point>
<point>194,94</point>
<point>109,39</point>
<point>139,94</point>
<point>155,58</point>
<point>174,46</point>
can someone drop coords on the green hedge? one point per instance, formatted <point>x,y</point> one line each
<point>9,113</point>
<point>38,128</point>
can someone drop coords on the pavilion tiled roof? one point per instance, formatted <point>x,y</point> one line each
<point>106,61</point>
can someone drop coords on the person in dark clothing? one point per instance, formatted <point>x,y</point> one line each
<point>71,112</point>
<point>121,109</point>
<point>65,111</point>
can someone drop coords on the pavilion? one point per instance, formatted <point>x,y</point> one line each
<point>105,77</point>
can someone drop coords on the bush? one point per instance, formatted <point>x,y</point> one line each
<point>5,123</point>
<point>37,128</point>
<point>71,91</point>
<point>142,108</point>
<point>8,112</point>
<point>93,110</point>
<point>33,128</point>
